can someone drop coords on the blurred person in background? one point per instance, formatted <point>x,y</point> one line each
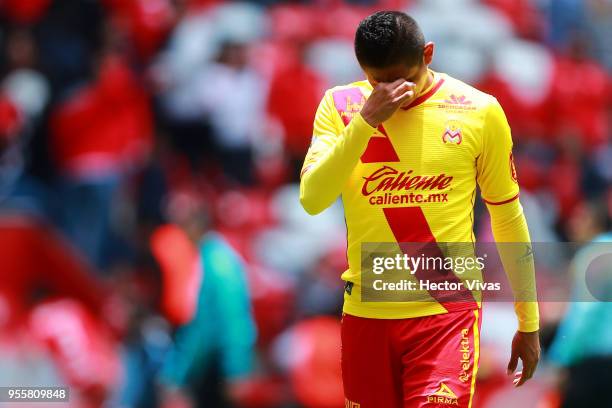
<point>319,286</point>
<point>295,111</point>
<point>599,28</point>
<point>24,96</point>
<point>582,346</point>
<point>146,337</point>
<point>100,134</point>
<point>231,97</point>
<point>218,117</point>
<point>10,155</point>
<point>37,263</point>
<point>215,345</point>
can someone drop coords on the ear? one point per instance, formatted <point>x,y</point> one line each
<point>428,53</point>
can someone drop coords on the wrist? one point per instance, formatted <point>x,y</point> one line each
<point>369,120</point>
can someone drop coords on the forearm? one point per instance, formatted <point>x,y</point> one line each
<point>509,226</point>
<point>323,180</point>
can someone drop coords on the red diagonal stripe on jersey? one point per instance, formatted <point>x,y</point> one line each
<point>409,226</point>
<point>380,148</point>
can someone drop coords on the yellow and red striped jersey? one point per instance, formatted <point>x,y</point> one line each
<point>414,178</point>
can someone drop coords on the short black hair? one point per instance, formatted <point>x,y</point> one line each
<point>388,38</point>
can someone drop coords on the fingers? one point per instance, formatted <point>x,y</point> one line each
<point>525,346</point>
<point>521,377</point>
<point>403,93</point>
<point>395,84</point>
<point>402,88</point>
<point>517,378</point>
<point>513,363</point>
<point>529,367</point>
<point>397,91</point>
<point>406,96</point>
<point>385,99</point>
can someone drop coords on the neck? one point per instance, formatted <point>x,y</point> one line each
<point>428,82</point>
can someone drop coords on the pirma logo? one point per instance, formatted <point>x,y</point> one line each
<point>443,396</point>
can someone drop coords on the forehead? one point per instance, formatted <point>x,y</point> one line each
<point>392,73</point>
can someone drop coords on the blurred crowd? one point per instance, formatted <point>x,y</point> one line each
<point>153,249</point>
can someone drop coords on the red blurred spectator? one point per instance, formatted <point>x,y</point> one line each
<point>315,369</point>
<point>51,295</point>
<point>196,6</point>
<point>37,263</point>
<point>528,119</point>
<point>10,121</point>
<point>24,11</point>
<point>98,135</point>
<point>84,349</point>
<point>564,183</point>
<point>581,99</point>
<point>273,298</point>
<point>104,126</point>
<point>523,14</point>
<point>294,95</point>
<point>294,23</point>
<point>180,264</point>
<point>147,22</point>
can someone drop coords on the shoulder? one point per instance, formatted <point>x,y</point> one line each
<point>457,92</point>
<point>361,88</point>
<point>344,101</point>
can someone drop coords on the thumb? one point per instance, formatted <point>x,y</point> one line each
<point>513,363</point>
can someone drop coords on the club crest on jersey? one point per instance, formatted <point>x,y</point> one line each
<point>452,133</point>
<point>352,107</point>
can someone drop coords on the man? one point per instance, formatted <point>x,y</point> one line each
<point>217,344</point>
<point>582,346</point>
<point>384,144</point>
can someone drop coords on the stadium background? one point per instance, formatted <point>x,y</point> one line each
<point>130,129</point>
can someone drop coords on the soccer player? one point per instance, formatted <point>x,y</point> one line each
<point>406,149</point>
